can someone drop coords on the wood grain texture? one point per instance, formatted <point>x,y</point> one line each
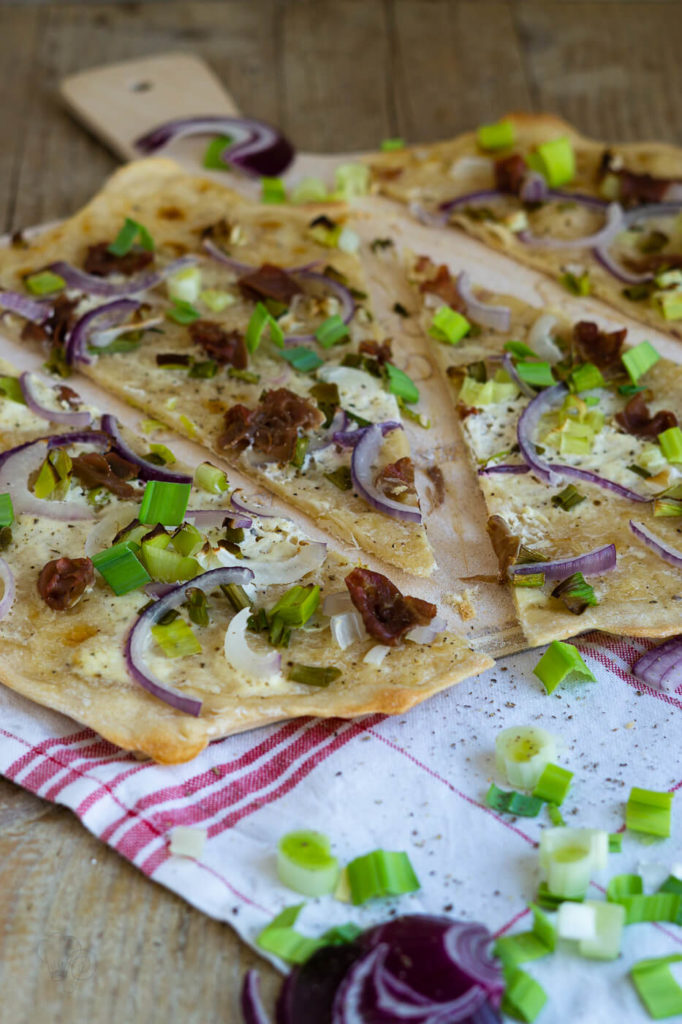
<point>84,936</point>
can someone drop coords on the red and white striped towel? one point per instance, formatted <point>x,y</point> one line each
<point>415,782</point>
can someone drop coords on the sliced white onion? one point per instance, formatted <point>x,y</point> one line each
<point>101,534</point>
<point>375,655</point>
<point>9,591</point>
<point>468,166</point>
<point>242,658</point>
<point>335,604</point>
<point>498,318</point>
<point>288,570</point>
<point>347,628</point>
<point>100,339</point>
<point>427,634</point>
<point>541,341</point>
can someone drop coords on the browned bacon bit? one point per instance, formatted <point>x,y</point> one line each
<point>273,426</point>
<point>464,411</point>
<point>505,544</point>
<point>443,285</point>
<point>63,580</point>
<point>386,173</point>
<point>57,325</point>
<point>381,352</point>
<point>173,359</point>
<point>510,172</point>
<point>100,262</point>
<point>223,346</point>
<point>637,420</point>
<point>435,475</point>
<point>109,471</point>
<point>269,282</point>
<point>220,232</point>
<point>386,613</point>
<point>635,187</point>
<point>396,479</point>
<point>237,428</point>
<point>69,396</point>
<point>602,348</point>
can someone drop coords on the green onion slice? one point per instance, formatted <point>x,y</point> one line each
<point>521,753</point>
<point>448,325</point>
<point>121,568</point>
<point>536,374</point>
<point>131,232</point>
<point>561,661</point>
<point>500,135</point>
<point>657,987</point>
<point>273,190</point>
<point>380,873</point>
<point>164,502</point>
<point>568,498</point>
<point>305,864</point>
<point>523,997</point>
<point>553,784</point>
<point>639,359</point>
<point>182,312</point>
<point>331,331</point>
<point>671,444</point>
<point>176,639</point>
<point>586,378</point>
<point>313,675</point>
<point>260,319</point>
<point>281,938</point>
<point>302,359</point>
<point>6,510</point>
<point>401,385</point>
<point>649,811</point>
<point>210,478</point>
<point>556,161</point>
<point>390,145</point>
<point>511,802</point>
<point>44,283</point>
<point>213,155</point>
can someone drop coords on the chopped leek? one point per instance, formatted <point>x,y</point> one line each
<point>524,946</point>
<point>649,811</point>
<point>197,606</point>
<point>536,374</point>
<point>332,331</point>
<point>561,661</point>
<point>519,349</point>
<point>273,190</point>
<point>568,856</point>
<point>213,154</point>
<point>555,160</point>
<point>390,145</point>
<point>672,884</point>
<point>490,392</point>
<point>523,997</point>
<point>260,319</point>
<point>576,593</point>
<point>667,506</point>
<point>669,303</point>
<point>300,451</point>
<point>555,815</point>
<point>216,300</point>
<point>281,938</point>
<point>305,864</point>
<point>210,478</point>
<point>187,540</point>
<point>313,675</point>
<point>513,803</point>
<point>185,284</point>
<point>639,359</point>
<point>500,135</point>
<point>44,283</point>
<point>11,388</point>
<point>351,180</point>
<point>656,986</point>
<point>609,919</point>
<point>303,359</point>
<point>236,595</point>
<point>615,842</point>
<point>121,568</point>
<point>167,566</point>
<point>568,498</point>
<point>176,638</point>
<point>521,753</point>
<point>576,921</point>
<point>131,232</point>
<point>308,190</point>
<point>586,377</point>
<point>448,325</point>
<point>553,784</point>
<point>401,385</point>
<point>380,873</point>
<point>164,502</point>
<point>6,510</point>
<point>576,284</point>
<point>671,444</point>
<point>182,312</point>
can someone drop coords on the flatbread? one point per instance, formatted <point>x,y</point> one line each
<point>426,175</point>
<point>176,207</point>
<point>642,596</point>
<point>72,660</point>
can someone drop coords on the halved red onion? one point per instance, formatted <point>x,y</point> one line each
<point>527,425</point>
<point>669,554</point>
<point>241,657</point>
<point>208,517</point>
<point>594,563</point>
<point>112,312</point>
<point>661,667</point>
<point>255,147</point>
<point>601,481</point>
<point>139,637</point>
<point>498,318</point>
<point>348,1003</point>
<point>350,438</point>
<point>251,1003</point>
<point>362,467</point>
<point>31,309</point>
<point>18,464</point>
<point>73,418</point>
<point>427,634</point>
<point>94,285</point>
<point>521,384</point>
<point>252,504</point>
<point>615,222</point>
<point>286,570</point>
<point>148,470</point>
<point>9,588</point>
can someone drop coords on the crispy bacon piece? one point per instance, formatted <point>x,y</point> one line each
<point>443,285</point>
<point>63,580</point>
<point>505,544</point>
<point>110,471</point>
<point>435,475</point>
<point>237,432</point>
<point>635,187</point>
<point>57,325</point>
<point>637,420</point>
<point>223,346</point>
<point>602,348</point>
<point>381,352</point>
<point>386,173</point>
<point>269,282</point>
<point>100,262</point>
<point>386,613</point>
<point>509,173</point>
<point>273,427</point>
<point>396,479</point>
<point>68,395</point>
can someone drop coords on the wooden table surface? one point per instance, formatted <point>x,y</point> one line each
<point>83,936</point>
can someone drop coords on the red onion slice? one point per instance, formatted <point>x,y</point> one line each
<point>255,148</point>
<point>148,470</point>
<point>603,256</point>
<point>348,1003</point>
<point>661,667</point>
<point>9,592</point>
<point>71,417</point>
<point>521,384</point>
<point>594,563</point>
<point>498,318</point>
<point>208,517</point>
<point>251,1003</point>
<point>18,464</point>
<point>600,481</point>
<point>669,554</point>
<point>241,657</point>
<point>503,467</point>
<point>615,222</point>
<point>241,269</point>
<point>534,188</point>
<point>31,309</point>
<point>527,425</point>
<point>400,1002</point>
<point>363,463</point>
<point>350,438</point>
<point>94,285</point>
<point>140,635</point>
<point>77,340</point>
<point>480,196</point>
<point>468,946</point>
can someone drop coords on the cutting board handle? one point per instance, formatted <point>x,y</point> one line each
<point>119,102</point>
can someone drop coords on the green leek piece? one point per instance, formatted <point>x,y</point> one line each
<point>187,540</point>
<point>168,566</point>
<point>309,190</point>
<point>576,439</point>
<point>197,606</point>
<point>671,444</point>
<point>576,593</point>
<point>293,610</point>
<point>639,359</point>
<point>569,856</point>
<point>164,502</point>
<point>553,784</point>
<point>390,145</point>
<point>538,375</point>
<point>672,884</point>
<point>555,815</point>
<point>448,325</point>
<point>332,331</point>
<point>586,377</point>
<point>11,388</point>
<point>341,478</point>
<point>273,190</point>
<point>380,873</point>
<point>281,938</point>
<point>519,949</point>
<point>568,498</point>
<point>302,359</point>
<point>523,997</point>
<point>668,507</point>
<point>556,161</point>
<point>216,300</point>
<point>500,135</point>
<point>658,906</point>
<point>236,595</point>
<point>163,453</point>
<point>184,285</point>
<point>6,510</point>
<point>519,349</point>
<point>341,934</point>
<point>669,304</point>
<point>615,842</point>
<point>176,638</point>
<point>621,886</point>
<point>609,921</point>
<point>577,284</point>
<point>401,385</point>
<point>512,802</point>
<point>521,753</point>
<point>54,475</point>
<point>300,451</point>
<point>657,987</point>
<point>182,312</point>
<point>210,478</point>
<point>351,180</point>
<point>305,864</point>
<point>649,811</point>
<point>561,661</point>
<point>213,155</point>
<point>121,568</point>
<point>131,232</point>
<point>535,579</point>
<point>549,900</point>
<point>313,675</point>
<point>491,392</point>
<point>44,283</point>
<point>260,319</point>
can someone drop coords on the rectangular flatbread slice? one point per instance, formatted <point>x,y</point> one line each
<point>623,201</point>
<point>602,440</point>
<point>153,653</point>
<point>261,344</point>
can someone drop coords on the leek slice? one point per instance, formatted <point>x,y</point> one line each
<point>522,752</point>
<point>380,873</point>
<point>553,784</point>
<point>559,662</point>
<point>657,987</point>
<point>649,811</point>
<point>305,864</point>
<point>524,997</point>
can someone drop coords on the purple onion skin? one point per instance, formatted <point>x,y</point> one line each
<point>307,994</point>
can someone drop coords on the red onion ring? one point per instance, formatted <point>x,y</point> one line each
<point>669,554</point>
<point>77,340</point>
<point>403,1003</point>
<point>363,461</point>
<point>528,422</point>
<point>148,470</point>
<point>31,309</point>
<point>626,276</point>
<point>600,481</point>
<point>498,318</point>
<point>139,636</point>
<point>9,593</point>
<point>661,667</point>
<point>256,148</point>
<point>347,1007</point>
<point>251,1003</point>
<point>338,425</point>
<point>350,438</point>
<point>94,285</point>
<point>594,563</point>
<point>72,418</point>
<point>615,222</point>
